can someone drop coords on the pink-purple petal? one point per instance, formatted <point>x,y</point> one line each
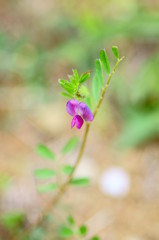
<point>72,107</point>
<point>85,112</point>
<point>73,122</point>
<point>78,121</point>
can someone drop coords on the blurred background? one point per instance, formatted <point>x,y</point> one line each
<point>42,41</point>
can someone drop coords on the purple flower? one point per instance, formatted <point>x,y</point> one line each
<point>79,111</point>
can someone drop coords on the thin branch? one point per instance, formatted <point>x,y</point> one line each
<point>64,187</point>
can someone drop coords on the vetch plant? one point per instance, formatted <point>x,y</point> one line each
<point>79,111</point>
<point>83,105</point>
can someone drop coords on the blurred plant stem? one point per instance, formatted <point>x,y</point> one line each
<point>106,86</point>
<point>64,187</point>
<point>51,205</point>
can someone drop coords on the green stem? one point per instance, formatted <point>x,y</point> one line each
<point>106,86</point>
<point>64,187</point>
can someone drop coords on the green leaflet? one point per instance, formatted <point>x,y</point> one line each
<point>95,238</point>
<point>83,230</point>
<point>115,51</point>
<point>67,169</point>
<point>67,86</point>
<point>80,181</point>
<point>84,77</point>
<point>105,61</point>
<point>67,95</point>
<point>44,173</point>
<point>66,232</point>
<point>99,73</point>
<point>70,220</point>
<point>45,152</point>
<point>75,75</point>
<point>70,145</point>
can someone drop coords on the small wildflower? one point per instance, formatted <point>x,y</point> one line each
<point>80,112</point>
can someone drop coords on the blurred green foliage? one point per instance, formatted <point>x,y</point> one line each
<point>64,40</point>
<point>13,220</point>
<point>140,107</point>
<point>36,54</point>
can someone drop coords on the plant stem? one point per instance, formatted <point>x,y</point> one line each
<point>64,187</point>
<point>106,86</point>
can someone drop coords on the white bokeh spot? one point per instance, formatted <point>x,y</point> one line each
<point>115,181</point>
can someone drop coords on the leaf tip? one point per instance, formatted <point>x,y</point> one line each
<point>115,51</point>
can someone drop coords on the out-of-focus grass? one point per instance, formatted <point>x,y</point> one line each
<point>140,107</point>
<point>69,40</point>
<point>37,48</point>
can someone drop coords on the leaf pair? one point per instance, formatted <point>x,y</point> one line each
<point>44,173</point>
<point>70,229</point>
<point>74,87</point>
<point>97,83</point>
<point>103,61</point>
<point>67,169</point>
<point>45,152</point>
